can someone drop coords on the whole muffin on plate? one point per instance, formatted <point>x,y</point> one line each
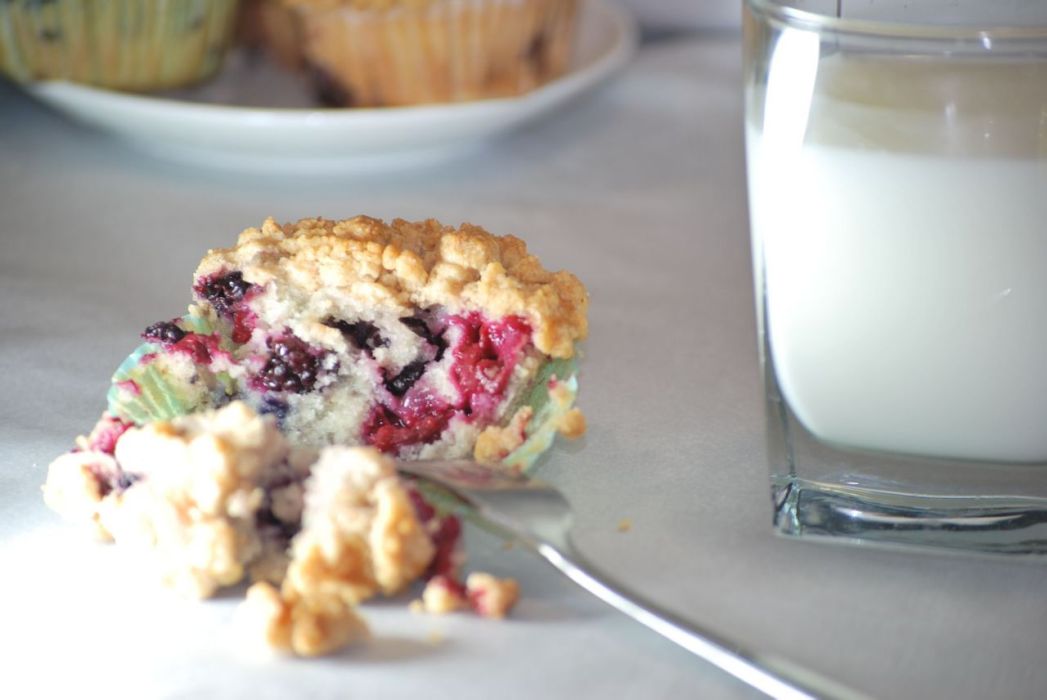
<point>126,45</point>
<point>370,53</point>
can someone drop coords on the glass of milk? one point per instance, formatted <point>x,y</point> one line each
<point>897,164</point>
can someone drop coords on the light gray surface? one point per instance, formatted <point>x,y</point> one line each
<point>678,14</point>
<point>640,191</point>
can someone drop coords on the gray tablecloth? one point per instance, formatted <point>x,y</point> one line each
<point>639,189</point>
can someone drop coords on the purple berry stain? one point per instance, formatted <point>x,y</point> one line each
<point>275,407</point>
<point>125,480</point>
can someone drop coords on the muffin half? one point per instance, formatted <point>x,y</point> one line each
<point>422,340</point>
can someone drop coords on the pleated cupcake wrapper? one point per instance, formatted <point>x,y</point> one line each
<point>120,44</point>
<point>548,410</point>
<point>152,399</point>
<point>540,432</point>
<point>144,389</point>
<point>447,51</point>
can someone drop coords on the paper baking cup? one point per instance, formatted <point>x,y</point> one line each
<point>442,51</point>
<point>154,384</point>
<point>540,432</point>
<point>120,44</point>
<point>548,410</point>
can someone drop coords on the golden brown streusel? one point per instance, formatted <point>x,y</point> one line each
<point>491,596</point>
<point>495,443</point>
<point>360,536</point>
<point>364,261</point>
<point>440,596</point>
<point>75,489</point>
<point>572,424</point>
<point>488,595</point>
<point>310,626</point>
<point>201,483</point>
<point>360,533</point>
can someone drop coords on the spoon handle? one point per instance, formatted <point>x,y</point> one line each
<point>775,677</point>
<point>539,517</point>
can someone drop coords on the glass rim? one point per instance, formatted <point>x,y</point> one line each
<point>893,30</point>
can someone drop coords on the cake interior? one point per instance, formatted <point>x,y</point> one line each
<point>417,385</point>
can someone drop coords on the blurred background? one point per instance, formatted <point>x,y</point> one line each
<point>663,15</point>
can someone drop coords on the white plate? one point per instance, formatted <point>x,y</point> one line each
<point>253,115</point>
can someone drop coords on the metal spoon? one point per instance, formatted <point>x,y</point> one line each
<point>539,517</point>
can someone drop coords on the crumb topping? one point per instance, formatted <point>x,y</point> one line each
<point>215,496</point>
<point>303,626</point>
<point>201,485</point>
<point>362,261</point>
<point>360,536</point>
<point>442,595</point>
<point>75,488</point>
<point>572,424</point>
<point>360,533</point>
<point>491,596</point>
<point>487,595</point>
<point>496,442</point>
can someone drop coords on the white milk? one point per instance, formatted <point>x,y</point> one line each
<point>906,264</point>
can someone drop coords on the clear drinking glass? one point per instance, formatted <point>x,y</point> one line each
<point>897,161</point>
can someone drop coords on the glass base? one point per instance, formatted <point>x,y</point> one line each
<point>832,492</point>
<point>1014,526</point>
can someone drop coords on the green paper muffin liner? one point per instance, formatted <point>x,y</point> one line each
<point>153,384</point>
<point>119,44</point>
<point>541,430</point>
<point>540,433</point>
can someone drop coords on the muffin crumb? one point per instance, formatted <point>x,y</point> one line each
<point>490,596</point>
